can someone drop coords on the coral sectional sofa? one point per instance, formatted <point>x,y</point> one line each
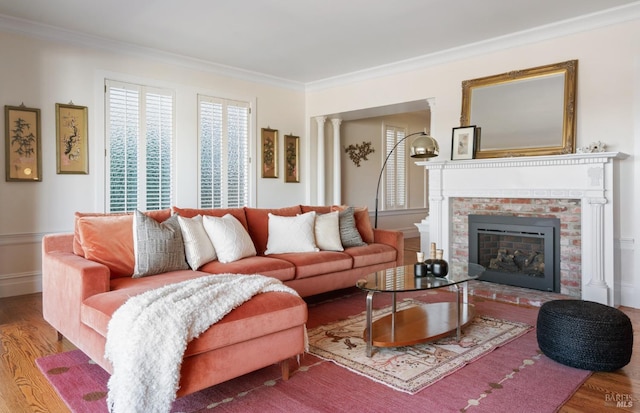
<point>89,274</point>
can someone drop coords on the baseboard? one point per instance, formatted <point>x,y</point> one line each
<point>20,284</point>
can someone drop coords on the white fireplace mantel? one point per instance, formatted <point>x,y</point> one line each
<point>589,177</point>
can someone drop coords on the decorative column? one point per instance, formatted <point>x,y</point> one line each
<point>321,161</point>
<point>337,171</point>
<point>593,252</point>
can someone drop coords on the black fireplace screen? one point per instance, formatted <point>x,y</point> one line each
<point>519,251</point>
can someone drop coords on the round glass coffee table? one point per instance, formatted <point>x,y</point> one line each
<point>420,323</point>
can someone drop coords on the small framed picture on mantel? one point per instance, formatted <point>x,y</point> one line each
<point>463,143</point>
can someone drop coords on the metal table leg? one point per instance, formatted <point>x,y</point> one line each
<point>369,323</point>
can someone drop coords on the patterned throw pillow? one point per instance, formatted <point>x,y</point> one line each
<point>197,245</point>
<point>348,231</point>
<point>291,234</point>
<point>327,231</point>
<point>157,247</point>
<point>229,238</point>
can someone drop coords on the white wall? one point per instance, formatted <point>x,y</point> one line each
<point>41,73</point>
<point>607,73</point>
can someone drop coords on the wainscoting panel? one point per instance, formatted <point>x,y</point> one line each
<point>20,264</point>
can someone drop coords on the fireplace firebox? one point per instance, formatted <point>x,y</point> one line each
<point>518,251</point>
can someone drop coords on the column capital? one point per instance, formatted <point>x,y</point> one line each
<point>336,122</point>
<point>320,119</point>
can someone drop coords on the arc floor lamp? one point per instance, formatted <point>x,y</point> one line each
<point>424,146</point>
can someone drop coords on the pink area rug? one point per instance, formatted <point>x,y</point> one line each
<point>513,377</point>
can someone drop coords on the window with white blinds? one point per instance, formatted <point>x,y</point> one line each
<point>139,122</point>
<point>223,135</point>
<point>395,180</point>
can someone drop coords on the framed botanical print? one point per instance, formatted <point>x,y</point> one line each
<point>72,140</point>
<point>292,158</point>
<point>22,144</point>
<point>269,153</point>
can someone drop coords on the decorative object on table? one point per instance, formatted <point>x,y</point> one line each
<point>22,144</point>
<point>420,268</point>
<point>359,152</point>
<point>432,257</point>
<point>463,143</point>
<point>292,158</point>
<point>425,146</point>
<point>439,267</point>
<point>269,153</point>
<point>593,147</point>
<point>72,139</point>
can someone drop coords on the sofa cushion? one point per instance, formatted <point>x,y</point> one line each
<point>159,215</point>
<point>263,314</point>
<point>158,247</point>
<point>327,232</point>
<point>319,209</point>
<point>291,234</point>
<point>309,264</point>
<point>272,267</point>
<point>108,240</point>
<point>258,223</point>
<point>230,239</point>
<point>238,213</point>
<point>348,231</point>
<point>371,254</point>
<point>197,245</point>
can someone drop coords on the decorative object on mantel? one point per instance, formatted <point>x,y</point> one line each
<point>463,142</point>
<point>72,142</point>
<point>425,146</point>
<point>359,152</point>
<point>269,152</point>
<point>593,147</point>
<point>292,158</point>
<point>22,144</point>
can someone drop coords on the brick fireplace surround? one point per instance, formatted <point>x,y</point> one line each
<point>577,188</point>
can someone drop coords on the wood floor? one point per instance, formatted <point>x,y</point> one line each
<point>25,336</point>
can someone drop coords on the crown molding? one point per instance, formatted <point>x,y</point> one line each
<point>566,27</point>
<point>579,24</point>
<point>51,33</point>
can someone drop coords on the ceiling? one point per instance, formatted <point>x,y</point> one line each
<point>295,40</point>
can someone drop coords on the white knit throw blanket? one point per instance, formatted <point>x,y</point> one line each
<point>148,334</point>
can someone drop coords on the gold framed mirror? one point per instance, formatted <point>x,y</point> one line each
<point>528,112</point>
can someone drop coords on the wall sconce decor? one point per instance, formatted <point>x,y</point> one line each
<point>359,152</point>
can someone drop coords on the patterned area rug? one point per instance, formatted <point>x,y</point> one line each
<point>512,377</point>
<point>410,369</point>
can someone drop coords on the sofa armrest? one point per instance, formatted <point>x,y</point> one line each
<point>67,280</point>
<point>392,238</point>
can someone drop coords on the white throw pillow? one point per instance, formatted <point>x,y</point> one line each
<point>327,231</point>
<point>291,234</point>
<point>197,245</point>
<point>230,239</point>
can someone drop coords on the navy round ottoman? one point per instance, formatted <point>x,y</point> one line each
<point>585,334</point>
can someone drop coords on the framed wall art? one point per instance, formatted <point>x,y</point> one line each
<point>22,144</point>
<point>269,153</point>
<point>72,140</point>
<point>463,144</point>
<point>292,158</point>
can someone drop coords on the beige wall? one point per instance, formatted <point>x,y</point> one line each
<point>608,99</point>
<point>41,73</point>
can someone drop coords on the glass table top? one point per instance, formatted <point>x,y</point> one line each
<point>400,279</point>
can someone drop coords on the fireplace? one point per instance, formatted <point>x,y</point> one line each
<point>518,251</point>
<point>589,270</point>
